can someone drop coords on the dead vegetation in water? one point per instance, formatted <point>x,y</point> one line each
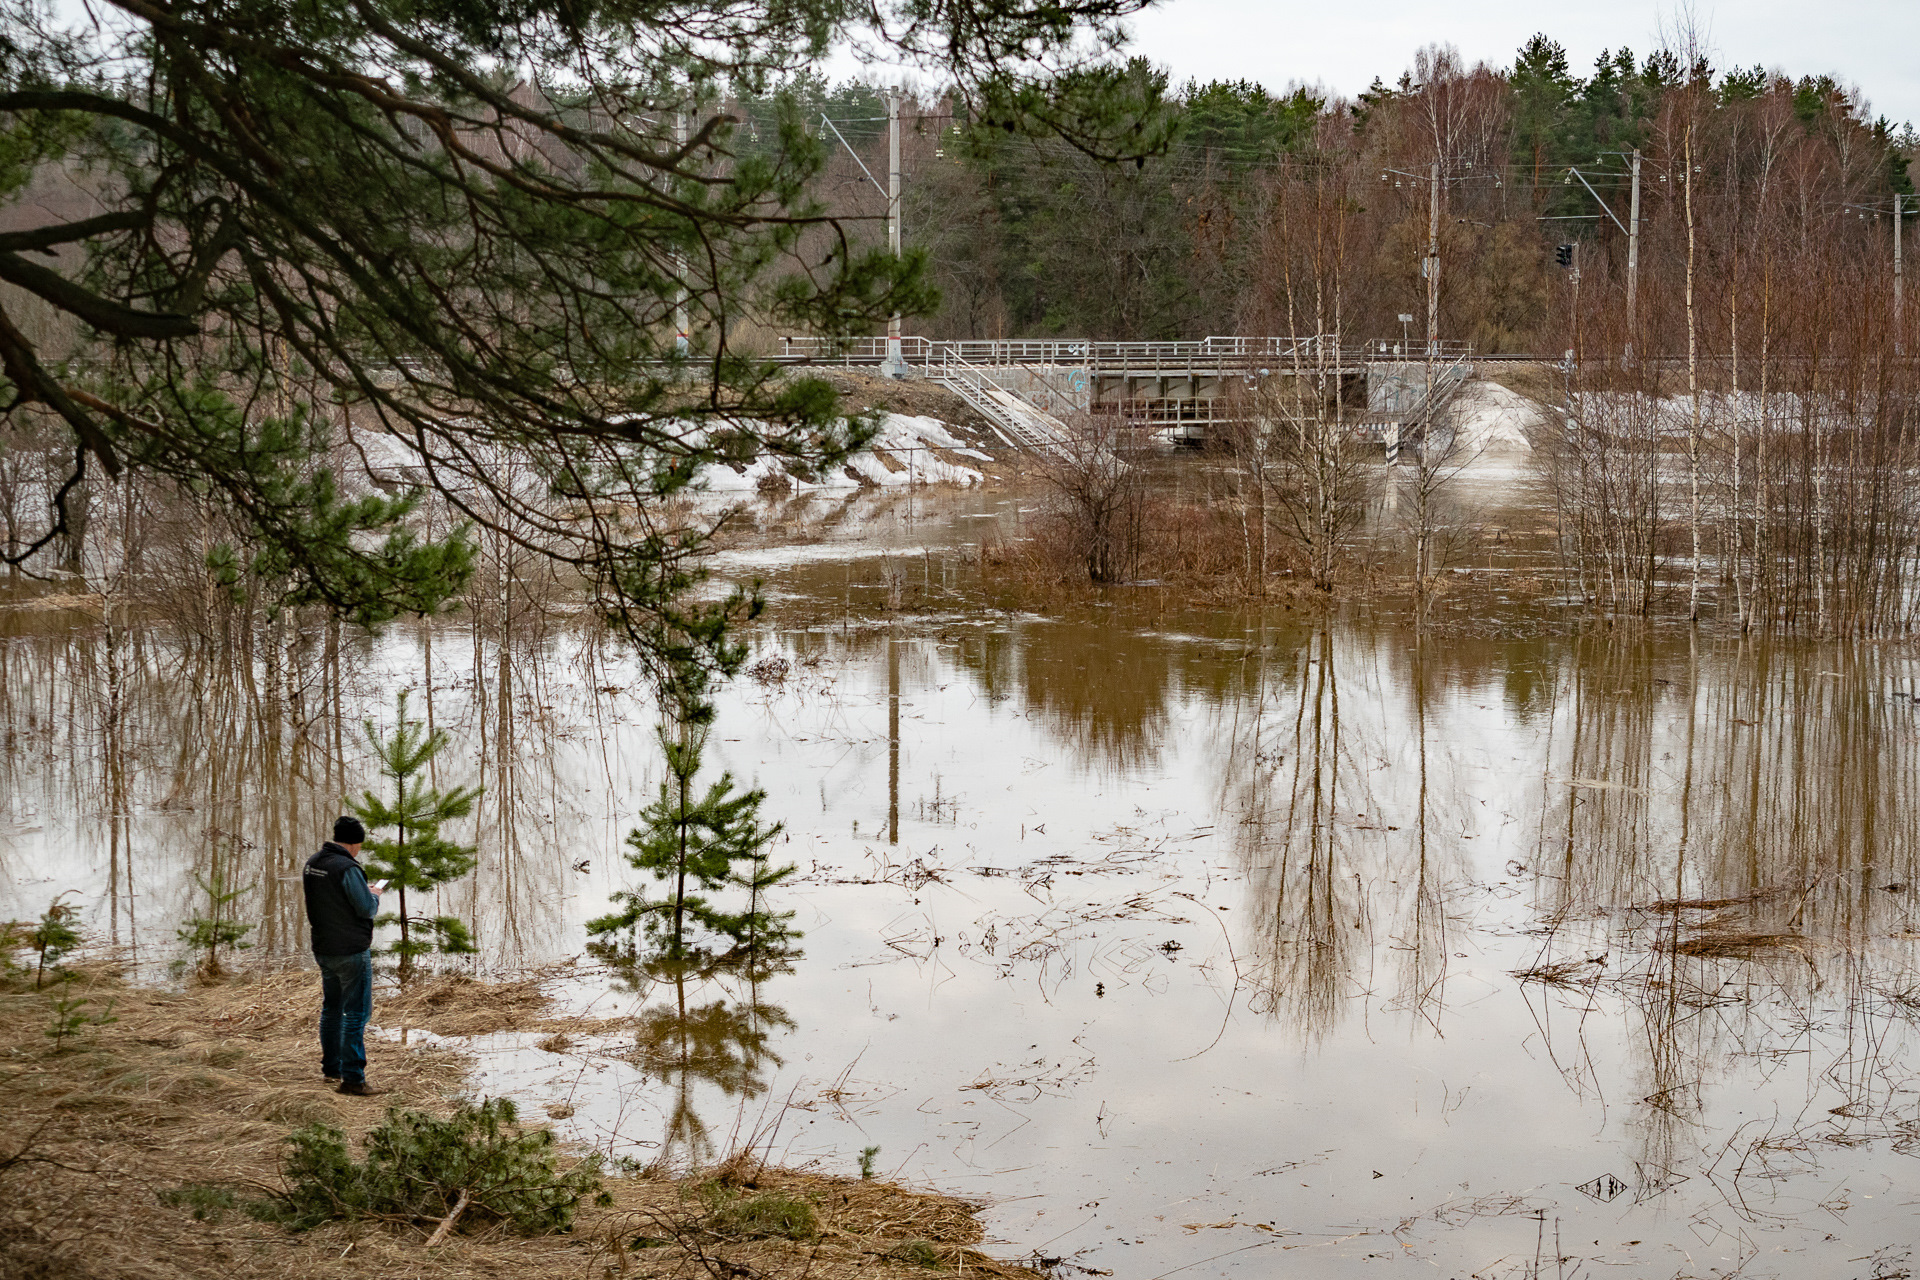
<point>1196,550</point>
<point>132,1148</point>
<point>1563,973</point>
<point>1748,926</point>
<point>1737,946</point>
<point>1756,898</point>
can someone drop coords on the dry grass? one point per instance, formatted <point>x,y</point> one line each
<point>130,1153</point>
<point>862,390</point>
<point>456,1005</point>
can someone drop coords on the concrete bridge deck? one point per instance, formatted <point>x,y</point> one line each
<point>1184,390</point>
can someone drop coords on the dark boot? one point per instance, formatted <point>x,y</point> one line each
<point>359,1089</point>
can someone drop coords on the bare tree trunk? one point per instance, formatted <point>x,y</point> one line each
<point>1730,534</point>
<point>1693,387</point>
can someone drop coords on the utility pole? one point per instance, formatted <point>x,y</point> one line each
<point>1433,256</point>
<point>1633,256</point>
<point>894,366</point>
<point>1899,293</point>
<point>1423,485</point>
<point>680,259</point>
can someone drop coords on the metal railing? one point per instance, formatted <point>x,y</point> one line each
<point>1414,425</point>
<point>1140,356</point>
<point>1025,428</point>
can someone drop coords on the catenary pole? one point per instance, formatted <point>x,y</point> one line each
<point>895,366</point>
<point>680,259</point>
<point>1633,255</point>
<point>1433,255</point>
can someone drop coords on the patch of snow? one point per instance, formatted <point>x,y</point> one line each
<point>1493,420</point>
<point>387,455</point>
<point>930,431</point>
<point>899,455</point>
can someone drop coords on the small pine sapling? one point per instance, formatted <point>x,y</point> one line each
<point>474,1168</point>
<point>689,842</point>
<point>13,937</point>
<point>70,1018</point>
<point>217,929</point>
<point>54,936</point>
<point>760,933</point>
<point>416,857</point>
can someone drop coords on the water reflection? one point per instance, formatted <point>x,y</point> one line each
<point>1650,894</point>
<point>710,1035</point>
<point>1303,885</point>
<point>137,755</point>
<point>1330,788</point>
<point>1103,692</point>
<point>1728,852</point>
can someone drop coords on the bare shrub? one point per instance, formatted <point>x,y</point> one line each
<point>1100,492</point>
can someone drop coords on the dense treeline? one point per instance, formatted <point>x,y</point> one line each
<point>1028,236</point>
<point>1738,437</point>
<point>1734,434</point>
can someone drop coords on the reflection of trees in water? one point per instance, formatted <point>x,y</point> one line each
<point>690,1043</point>
<point>530,822</point>
<point>1421,941</point>
<point>1334,789</point>
<point>1105,691</point>
<point>1754,801</point>
<point>174,749</point>
<point>222,740</point>
<point>1305,893</point>
<point>1102,690</point>
<point>1696,775</point>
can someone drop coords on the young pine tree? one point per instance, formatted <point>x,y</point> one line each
<point>53,937</point>
<point>761,936</point>
<point>218,928</point>
<point>416,857</point>
<point>694,843</point>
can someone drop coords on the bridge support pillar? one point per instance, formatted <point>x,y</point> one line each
<point>895,365</point>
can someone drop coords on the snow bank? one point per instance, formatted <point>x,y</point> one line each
<point>1491,420</point>
<point>901,454</point>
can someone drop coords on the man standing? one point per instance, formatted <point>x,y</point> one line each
<point>341,906</point>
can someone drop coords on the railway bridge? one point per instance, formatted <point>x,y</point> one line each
<point>1185,391</point>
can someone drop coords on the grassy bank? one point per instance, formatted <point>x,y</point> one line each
<point>148,1146</point>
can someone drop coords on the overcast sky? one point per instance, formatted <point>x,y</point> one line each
<point>1874,44</point>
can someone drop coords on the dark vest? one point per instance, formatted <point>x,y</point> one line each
<point>338,927</point>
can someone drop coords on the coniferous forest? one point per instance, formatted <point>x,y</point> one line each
<point>1791,179</point>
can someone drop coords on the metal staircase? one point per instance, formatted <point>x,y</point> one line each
<point>1022,425</point>
<point>1416,420</point>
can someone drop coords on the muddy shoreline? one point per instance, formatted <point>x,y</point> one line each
<point>132,1147</point>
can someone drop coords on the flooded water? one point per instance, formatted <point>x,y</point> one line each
<point>1197,942</point>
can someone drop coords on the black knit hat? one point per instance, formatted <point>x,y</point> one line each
<point>347,830</point>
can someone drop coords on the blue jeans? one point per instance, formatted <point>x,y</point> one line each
<point>346,998</point>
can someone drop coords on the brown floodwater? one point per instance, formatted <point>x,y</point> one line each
<point>1196,941</point>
